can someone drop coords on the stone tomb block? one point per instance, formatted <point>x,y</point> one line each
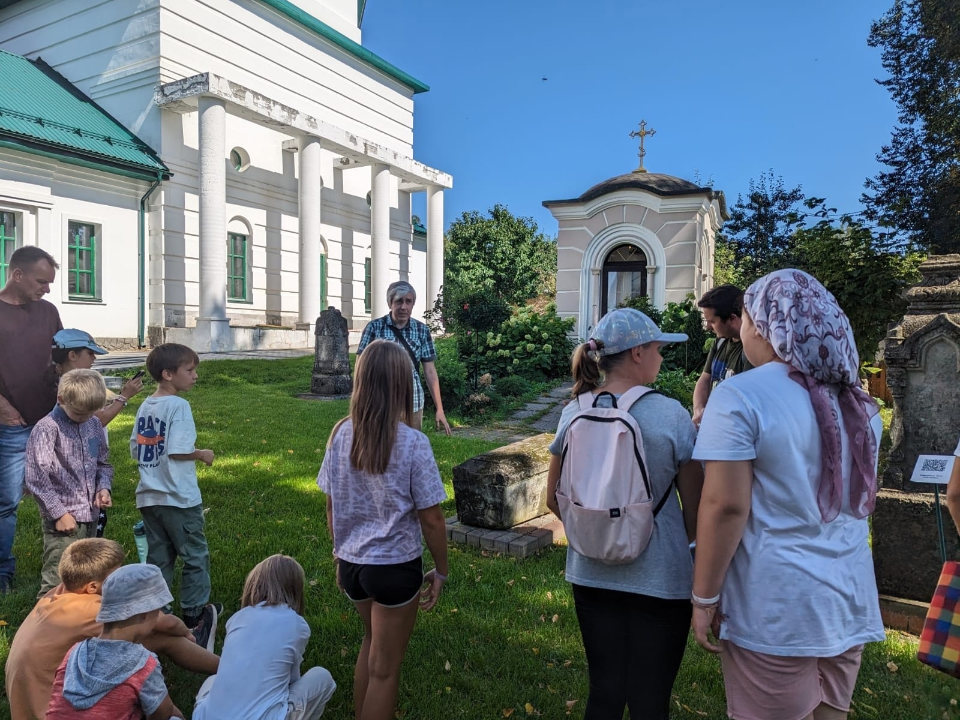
<point>504,487</point>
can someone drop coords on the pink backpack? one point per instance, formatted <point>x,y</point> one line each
<point>604,493</point>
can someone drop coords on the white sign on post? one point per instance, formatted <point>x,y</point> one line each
<point>934,469</point>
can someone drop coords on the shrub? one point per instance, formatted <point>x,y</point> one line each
<point>530,344</point>
<point>685,317</point>
<point>513,386</point>
<point>678,385</point>
<point>644,305</point>
<point>452,373</point>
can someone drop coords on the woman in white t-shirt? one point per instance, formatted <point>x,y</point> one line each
<point>784,573</point>
<point>953,490</point>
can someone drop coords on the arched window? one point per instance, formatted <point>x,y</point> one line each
<point>624,276</point>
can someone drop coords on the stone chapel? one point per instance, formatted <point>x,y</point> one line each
<point>641,233</point>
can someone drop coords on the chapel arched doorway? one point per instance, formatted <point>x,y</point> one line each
<point>624,275</point>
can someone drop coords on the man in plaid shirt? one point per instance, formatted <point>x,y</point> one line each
<point>414,337</point>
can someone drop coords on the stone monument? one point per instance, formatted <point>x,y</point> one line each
<point>922,354</point>
<point>331,359</point>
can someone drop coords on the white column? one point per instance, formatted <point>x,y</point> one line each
<point>212,324</point>
<point>434,246</point>
<point>310,247</point>
<point>379,239</point>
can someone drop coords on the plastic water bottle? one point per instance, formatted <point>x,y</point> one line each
<point>140,538</point>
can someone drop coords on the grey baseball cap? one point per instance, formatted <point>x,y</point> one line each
<point>131,590</point>
<point>625,328</point>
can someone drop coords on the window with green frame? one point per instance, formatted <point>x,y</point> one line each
<point>237,267</point>
<point>366,285</point>
<point>82,261</point>
<point>323,283</point>
<point>8,243</point>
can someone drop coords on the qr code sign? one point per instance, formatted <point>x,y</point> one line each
<point>934,465</point>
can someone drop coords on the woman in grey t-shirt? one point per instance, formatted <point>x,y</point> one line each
<point>634,618</point>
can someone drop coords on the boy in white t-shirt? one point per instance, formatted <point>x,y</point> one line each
<point>164,445</point>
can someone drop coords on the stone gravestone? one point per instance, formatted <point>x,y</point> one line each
<point>331,360</point>
<point>923,372</point>
<point>504,487</point>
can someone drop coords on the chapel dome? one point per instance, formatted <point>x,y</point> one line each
<point>657,183</point>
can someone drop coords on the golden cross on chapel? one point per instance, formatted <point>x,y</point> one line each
<point>642,133</point>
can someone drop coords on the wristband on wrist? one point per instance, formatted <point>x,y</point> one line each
<point>705,603</point>
<point>441,578</point>
<point>121,399</point>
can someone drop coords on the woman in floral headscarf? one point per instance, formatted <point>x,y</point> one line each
<point>784,574</point>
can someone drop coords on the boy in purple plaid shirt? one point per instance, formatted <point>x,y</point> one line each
<point>67,470</point>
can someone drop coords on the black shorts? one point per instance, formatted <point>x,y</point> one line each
<point>387,585</point>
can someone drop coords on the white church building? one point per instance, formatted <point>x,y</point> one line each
<point>212,172</point>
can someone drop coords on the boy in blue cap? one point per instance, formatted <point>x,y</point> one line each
<point>76,350</point>
<point>113,676</point>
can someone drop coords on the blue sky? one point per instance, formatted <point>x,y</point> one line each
<point>732,89</point>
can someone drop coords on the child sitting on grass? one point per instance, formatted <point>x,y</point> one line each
<point>259,674</point>
<point>68,469</point>
<point>68,614</point>
<point>113,677</point>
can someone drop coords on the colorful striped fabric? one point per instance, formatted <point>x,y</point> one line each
<point>940,639</point>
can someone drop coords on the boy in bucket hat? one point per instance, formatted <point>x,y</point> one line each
<point>113,677</point>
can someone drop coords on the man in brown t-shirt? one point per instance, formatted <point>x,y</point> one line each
<point>28,381</point>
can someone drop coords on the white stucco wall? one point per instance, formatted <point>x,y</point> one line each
<point>250,44</point>
<point>47,194</point>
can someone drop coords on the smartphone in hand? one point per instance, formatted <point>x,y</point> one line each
<point>139,374</point>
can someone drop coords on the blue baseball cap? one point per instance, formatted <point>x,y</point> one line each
<point>72,339</point>
<point>625,328</point>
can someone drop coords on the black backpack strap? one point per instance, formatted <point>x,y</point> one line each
<point>666,496</point>
<point>403,341</point>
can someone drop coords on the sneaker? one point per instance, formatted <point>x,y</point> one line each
<point>205,626</point>
<point>6,584</point>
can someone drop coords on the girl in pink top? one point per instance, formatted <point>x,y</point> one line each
<point>383,498</point>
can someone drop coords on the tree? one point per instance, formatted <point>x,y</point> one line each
<point>501,255</point>
<point>919,195</point>
<point>760,229</point>
<point>863,270</point>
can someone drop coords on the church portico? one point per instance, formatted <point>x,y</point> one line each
<point>212,98</point>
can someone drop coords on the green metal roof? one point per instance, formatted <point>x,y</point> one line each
<point>42,113</point>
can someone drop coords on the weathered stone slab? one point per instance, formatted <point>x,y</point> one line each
<point>504,487</point>
<point>906,546</point>
<point>331,361</point>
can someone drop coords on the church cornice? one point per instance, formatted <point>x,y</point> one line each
<point>301,17</point>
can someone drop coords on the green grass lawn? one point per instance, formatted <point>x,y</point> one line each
<point>502,642</point>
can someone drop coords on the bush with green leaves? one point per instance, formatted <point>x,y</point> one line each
<point>513,386</point>
<point>531,344</point>
<point>678,385</point>
<point>646,306</point>
<point>452,373</point>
